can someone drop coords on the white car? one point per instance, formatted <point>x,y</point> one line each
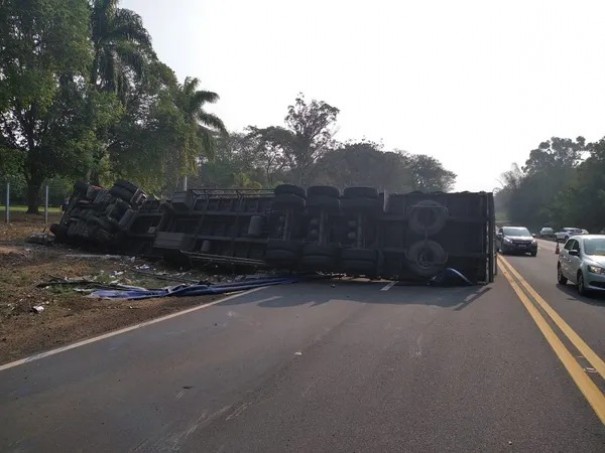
<point>567,232</point>
<point>582,262</point>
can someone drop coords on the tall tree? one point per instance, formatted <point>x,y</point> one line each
<point>122,55</point>
<point>122,47</point>
<point>46,111</point>
<point>363,163</point>
<point>203,127</point>
<point>547,171</point>
<point>165,130</point>
<point>309,131</point>
<point>428,174</point>
<point>581,202</point>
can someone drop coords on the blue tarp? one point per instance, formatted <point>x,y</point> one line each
<point>450,277</point>
<point>193,290</point>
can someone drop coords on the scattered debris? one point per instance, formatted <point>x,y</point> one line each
<point>193,289</point>
<point>38,309</point>
<point>41,238</point>
<point>169,277</point>
<point>298,353</point>
<point>87,284</point>
<point>88,256</point>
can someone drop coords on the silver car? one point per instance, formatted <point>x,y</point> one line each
<point>582,262</point>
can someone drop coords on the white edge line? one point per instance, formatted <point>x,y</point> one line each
<point>388,286</point>
<point>77,344</point>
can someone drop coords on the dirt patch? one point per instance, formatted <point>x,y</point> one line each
<point>67,315</point>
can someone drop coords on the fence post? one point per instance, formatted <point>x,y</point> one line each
<point>185,183</point>
<point>46,206</point>
<point>8,197</point>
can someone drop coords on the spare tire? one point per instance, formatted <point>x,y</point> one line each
<point>427,217</point>
<point>426,258</point>
<point>360,192</point>
<point>289,189</point>
<point>323,191</point>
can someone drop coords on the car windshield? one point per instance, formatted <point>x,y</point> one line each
<point>516,231</point>
<point>595,246</point>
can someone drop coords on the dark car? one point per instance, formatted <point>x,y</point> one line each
<point>515,239</point>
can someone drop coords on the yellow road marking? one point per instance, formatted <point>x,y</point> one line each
<point>597,363</point>
<point>589,389</point>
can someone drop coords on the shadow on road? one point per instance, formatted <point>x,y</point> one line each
<point>319,293</point>
<point>597,299</point>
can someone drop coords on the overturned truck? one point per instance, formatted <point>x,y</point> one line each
<point>358,231</point>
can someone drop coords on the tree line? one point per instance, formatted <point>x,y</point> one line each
<point>303,151</point>
<point>562,183</point>
<point>83,95</point>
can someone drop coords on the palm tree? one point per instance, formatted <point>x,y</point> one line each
<point>206,125</point>
<point>122,47</point>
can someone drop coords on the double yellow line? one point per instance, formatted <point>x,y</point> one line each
<point>526,293</point>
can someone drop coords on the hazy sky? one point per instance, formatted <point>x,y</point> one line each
<point>476,84</point>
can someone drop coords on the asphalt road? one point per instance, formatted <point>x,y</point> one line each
<point>345,366</point>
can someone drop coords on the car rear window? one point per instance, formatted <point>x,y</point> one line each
<point>516,231</point>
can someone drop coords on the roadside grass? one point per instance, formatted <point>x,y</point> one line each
<point>23,225</point>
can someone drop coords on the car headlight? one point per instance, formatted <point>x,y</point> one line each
<point>595,269</point>
<point>508,241</point>
<point>534,242</point>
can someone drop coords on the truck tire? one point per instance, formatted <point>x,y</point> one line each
<point>121,193</point>
<point>126,185</point>
<point>103,197</point>
<point>426,258</point>
<point>427,217</point>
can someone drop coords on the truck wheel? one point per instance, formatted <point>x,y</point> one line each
<point>427,217</point>
<point>426,258</point>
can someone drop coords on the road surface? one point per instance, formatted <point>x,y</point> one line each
<point>342,366</point>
